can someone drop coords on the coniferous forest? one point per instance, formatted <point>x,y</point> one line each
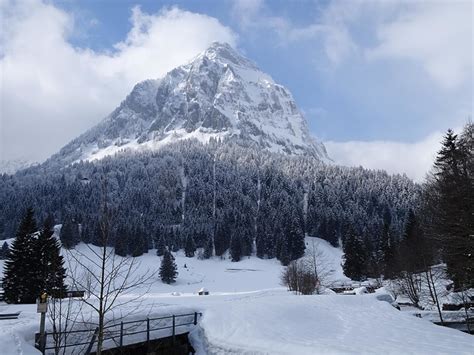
<point>189,195</point>
<point>224,197</point>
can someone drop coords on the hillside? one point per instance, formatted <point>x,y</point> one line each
<point>247,311</point>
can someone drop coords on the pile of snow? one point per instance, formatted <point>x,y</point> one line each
<point>281,323</point>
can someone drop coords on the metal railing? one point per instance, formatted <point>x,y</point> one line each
<point>120,334</point>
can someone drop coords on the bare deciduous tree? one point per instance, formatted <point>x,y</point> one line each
<point>321,265</point>
<point>106,277</point>
<point>309,274</point>
<point>63,314</point>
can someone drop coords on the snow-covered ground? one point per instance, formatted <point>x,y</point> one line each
<point>249,312</point>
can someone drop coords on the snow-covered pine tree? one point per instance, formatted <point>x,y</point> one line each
<point>161,245</point>
<point>20,279</point>
<point>69,234</point>
<point>51,263</point>
<point>235,247</point>
<point>452,205</point>
<point>190,246</point>
<point>121,242</point>
<point>284,254</point>
<point>168,268</point>
<point>355,257</point>
<point>4,251</point>
<point>138,244</point>
<point>295,237</point>
<point>208,248</point>
<point>222,238</point>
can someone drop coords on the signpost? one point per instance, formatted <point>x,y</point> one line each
<point>42,307</point>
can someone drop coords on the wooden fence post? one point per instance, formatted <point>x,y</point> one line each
<point>148,332</point>
<point>121,334</point>
<point>174,330</point>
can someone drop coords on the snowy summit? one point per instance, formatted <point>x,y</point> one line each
<point>220,94</point>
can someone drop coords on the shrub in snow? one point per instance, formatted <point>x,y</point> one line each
<point>298,276</point>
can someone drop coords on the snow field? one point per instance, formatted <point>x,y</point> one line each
<point>249,312</point>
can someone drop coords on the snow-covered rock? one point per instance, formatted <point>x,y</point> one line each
<point>220,94</point>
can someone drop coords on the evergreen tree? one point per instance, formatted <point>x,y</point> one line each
<point>389,254</point>
<point>355,258</point>
<point>295,237</point>
<point>451,195</point>
<point>70,235</point>
<point>168,268</point>
<point>51,263</point>
<point>208,248</point>
<point>139,244</point>
<point>235,247</point>
<point>20,279</point>
<point>161,246</point>
<point>222,237</point>
<point>4,251</point>
<point>122,242</point>
<point>190,247</point>
<point>284,253</point>
<point>413,254</point>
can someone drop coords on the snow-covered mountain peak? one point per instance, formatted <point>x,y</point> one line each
<point>219,94</point>
<point>224,54</point>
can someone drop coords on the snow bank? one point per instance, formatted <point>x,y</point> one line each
<point>279,323</point>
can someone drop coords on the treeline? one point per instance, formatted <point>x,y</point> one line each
<point>440,230</point>
<point>219,197</point>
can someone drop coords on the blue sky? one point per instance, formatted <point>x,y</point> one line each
<point>388,76</point>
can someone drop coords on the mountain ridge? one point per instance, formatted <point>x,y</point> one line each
<point>219,94</point>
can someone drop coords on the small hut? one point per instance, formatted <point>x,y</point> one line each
<point>203,292</point>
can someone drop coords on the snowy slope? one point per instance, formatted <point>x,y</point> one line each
<point>216,274</point>
<point>12,166</point>
<point>220,94</point>
<point>248,312</point>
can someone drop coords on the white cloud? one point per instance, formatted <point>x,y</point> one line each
<point>436,35</point>
<point>329,28</point>
<point>412,159</point>
<point>51,91</point>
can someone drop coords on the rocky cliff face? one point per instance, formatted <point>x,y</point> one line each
<point>220,94</point>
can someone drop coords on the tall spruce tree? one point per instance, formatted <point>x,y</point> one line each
<point>208,248</point>
<point>121,242</point>
<point>451,194</point>
<point>295,237</point>
<point>161,245</point>
<point>414,256</point>
<point>190,246</point>
<point>168,268</point>
<point>69,234</point>
<point>235,247</point>
<point>355,257</point>
<point>284,254</point>
<point>51,263</point>
<point>20,281</point>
